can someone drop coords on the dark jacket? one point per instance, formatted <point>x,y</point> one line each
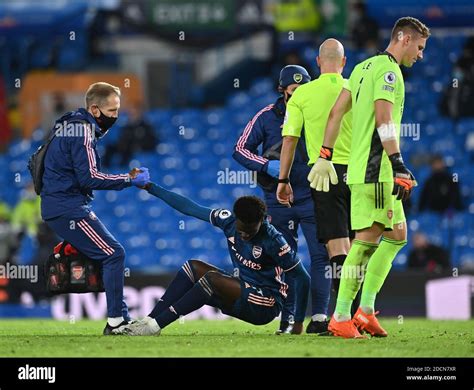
<point>265,129</point>
<point>72,166</point>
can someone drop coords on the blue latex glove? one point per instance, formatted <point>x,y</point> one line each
<point>273,168</point>
<point>142,179</point>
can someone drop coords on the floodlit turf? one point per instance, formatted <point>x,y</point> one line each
<point>413,337</point>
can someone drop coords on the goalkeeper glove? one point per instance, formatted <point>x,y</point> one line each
<point>141,177</point>
<point>403,179</point>
<point>273,168</point>
<point>323,171</point>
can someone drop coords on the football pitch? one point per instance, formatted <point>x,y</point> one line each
<point>232,338</point>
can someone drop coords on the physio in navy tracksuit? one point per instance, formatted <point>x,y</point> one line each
<point>265,129</point>
<point>72,172</point>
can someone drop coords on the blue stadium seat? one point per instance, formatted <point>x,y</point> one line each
<point>238,100</point>
<point>261,87</point>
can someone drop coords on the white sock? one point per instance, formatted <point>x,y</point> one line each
<point>341,317</point>
<point>115,321</point>
<point>319,317</point>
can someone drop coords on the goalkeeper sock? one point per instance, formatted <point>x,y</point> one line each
<point>195,298</point>
<point>181,284</point>
<point>377,271</point>
<point>351,277</point>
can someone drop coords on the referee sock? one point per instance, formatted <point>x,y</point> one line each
<point>352,275</point>
<point>182,283</point>
<point>377,271</point>
<point>195,298</point>
<point>336,263</point>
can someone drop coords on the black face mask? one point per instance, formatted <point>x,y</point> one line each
<point>288,97</point>
<point>105,122</point>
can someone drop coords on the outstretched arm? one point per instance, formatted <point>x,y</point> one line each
<point>180,202</point>
<point>85,165</point>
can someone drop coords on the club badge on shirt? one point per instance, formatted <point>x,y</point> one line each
<point>256,251</point>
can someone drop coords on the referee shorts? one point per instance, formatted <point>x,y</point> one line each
<point>333,209</point>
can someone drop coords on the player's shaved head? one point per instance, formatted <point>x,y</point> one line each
<point>250,209</point>
<point>250,212</point>
<point>331,50</point>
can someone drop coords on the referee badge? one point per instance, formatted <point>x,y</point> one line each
<point>256,251</point>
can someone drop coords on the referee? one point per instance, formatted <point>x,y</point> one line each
<point>310,107</point>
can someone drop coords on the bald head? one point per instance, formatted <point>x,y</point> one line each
<point>331,56</point>
<point>331,50</point>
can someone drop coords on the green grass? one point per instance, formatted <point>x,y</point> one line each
<point>414,337</point>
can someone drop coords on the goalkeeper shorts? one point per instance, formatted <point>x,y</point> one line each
<point>374,202</point>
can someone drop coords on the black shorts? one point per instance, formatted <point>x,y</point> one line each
<point>333,209</point>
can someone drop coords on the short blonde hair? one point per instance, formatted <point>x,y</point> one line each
<point>412,24</point>
<point>98,93</point>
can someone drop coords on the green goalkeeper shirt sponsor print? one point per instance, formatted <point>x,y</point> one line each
<point>376,78</point>
<point>309,107</point>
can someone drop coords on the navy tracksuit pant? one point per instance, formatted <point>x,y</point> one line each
<point>85,232</point>
<point>286,220</point>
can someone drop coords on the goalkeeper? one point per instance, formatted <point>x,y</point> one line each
<point>310,107</point>
<point>377,175</point>
<point>254,293</point>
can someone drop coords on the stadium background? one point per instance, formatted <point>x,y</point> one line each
<point>200,71</point>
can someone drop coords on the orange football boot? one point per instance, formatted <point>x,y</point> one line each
<point>369,323</point>
<point>345,329</point>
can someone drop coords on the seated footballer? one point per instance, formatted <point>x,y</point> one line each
<point>256,291</point>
